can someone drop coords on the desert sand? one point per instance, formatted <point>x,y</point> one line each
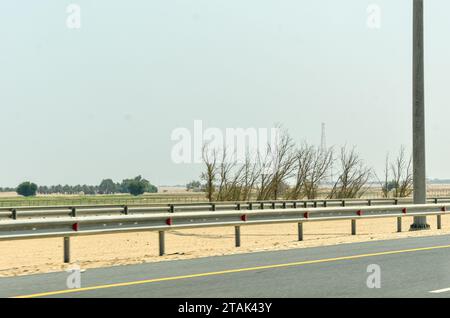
<point>8,194</point>
<point>45,255</point>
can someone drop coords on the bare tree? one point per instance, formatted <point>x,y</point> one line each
<point>209,176</point>
<point>353,176</point>
<point>402,173</point>
<point>322,160</point>
<point>386,184</point>
<point>225,168</point>
<point>312,166</point>
<point>304,163</point>
<point>401,182</point>
<point>266,176</point>
<point>226,178</point>
<point>278,166</point>
<point>264,162</point>
<point>232,180</point>
<point>251,174</point>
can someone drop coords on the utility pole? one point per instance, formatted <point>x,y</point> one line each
<point>323,139</point>
<point>419,174</point>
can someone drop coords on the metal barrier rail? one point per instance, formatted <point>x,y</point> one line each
<point>93,225</point>
<point>112,209</point>
<point>99,199</point>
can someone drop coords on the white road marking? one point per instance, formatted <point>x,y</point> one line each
<point>440,291</point>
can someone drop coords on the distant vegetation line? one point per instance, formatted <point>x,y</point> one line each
<point>117,199</point>
<point>135,186</point>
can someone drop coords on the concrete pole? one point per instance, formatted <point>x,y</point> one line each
<point>419,176</point>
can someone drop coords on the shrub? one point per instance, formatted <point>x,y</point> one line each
<point>27,189</point>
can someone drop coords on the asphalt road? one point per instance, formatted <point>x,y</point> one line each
<point>413,267</point>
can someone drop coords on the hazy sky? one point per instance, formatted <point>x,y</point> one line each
<point>79,105</point>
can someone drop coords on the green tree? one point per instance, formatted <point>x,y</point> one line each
<point>136,187</point>
<point>152,188</point>
<point>107,186</point>
<point>148,187</point>
<point>194,186</point>
<point>27,189</point>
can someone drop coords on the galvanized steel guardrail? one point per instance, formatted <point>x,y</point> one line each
<point>77,225</point>
<point>112,209</point>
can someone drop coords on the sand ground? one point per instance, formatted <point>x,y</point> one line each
<point>8,194</point>
<point>45,255</point>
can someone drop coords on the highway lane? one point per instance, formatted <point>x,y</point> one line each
<point>411,267</point>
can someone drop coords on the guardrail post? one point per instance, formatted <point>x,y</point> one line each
<point>439,222</point>
<point>325,204</point>
<point>300,231</point>
<point>399,224</point>
<point>14,214</point>
<point>305,204</point>
<point>125,210</point>
<point>284,205</point>
<point>213,207</point>
<point>353,227</point>
<point>262,206</point>
<point>238,206</point>
<point>369,202</point>
<point>435,200</point>
<point>66,249</point>
<point>74,212</point>
<point>162,245</point>
<point>250,206</point>
<point>273,205</point>
<point>237,235</point>
<point>315,204</point>
<point>172,208</point>
<point>343,203</point>
<point>295,204</point>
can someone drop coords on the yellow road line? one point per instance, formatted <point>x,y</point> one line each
<point>230,271</point>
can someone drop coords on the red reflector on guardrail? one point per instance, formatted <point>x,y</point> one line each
<point>169,221</point>
<point>404,210</point>
<point>359,212</point>
<point>75,227</point>
<point>306,215</point>
<point>244,217</point>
